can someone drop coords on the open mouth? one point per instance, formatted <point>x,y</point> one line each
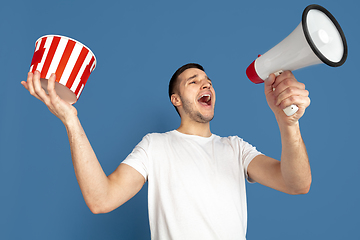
<point>205,99</point>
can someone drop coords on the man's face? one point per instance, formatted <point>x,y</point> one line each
<point>197,96</point>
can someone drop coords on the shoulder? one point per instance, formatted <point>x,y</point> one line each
<point>228,139</point>
<point>160,135</point>
<point>155,137</point>
<point>234,141</point>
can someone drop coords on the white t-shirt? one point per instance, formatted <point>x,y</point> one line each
<point>196,185</point>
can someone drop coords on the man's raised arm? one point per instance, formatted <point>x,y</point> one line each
<point>101,193</point>
<point>292,174</point>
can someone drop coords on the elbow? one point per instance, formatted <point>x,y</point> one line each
<point>102,207</point>
<point>301,190</point>
<point>97,208</point>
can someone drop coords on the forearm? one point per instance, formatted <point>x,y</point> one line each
<point>295,167</point>
<point>92,180</point>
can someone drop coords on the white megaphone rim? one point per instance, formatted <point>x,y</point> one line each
<point>312,45</point>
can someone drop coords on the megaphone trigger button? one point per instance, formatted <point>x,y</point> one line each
<point>278,73</point>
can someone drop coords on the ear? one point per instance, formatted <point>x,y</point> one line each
<point>175,100</point>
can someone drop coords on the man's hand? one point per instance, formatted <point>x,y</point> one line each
<point>61,109</point>
<point>283,91</point>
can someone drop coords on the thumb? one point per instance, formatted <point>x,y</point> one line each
<point>268,83</point>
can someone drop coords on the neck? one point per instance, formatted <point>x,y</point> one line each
<point>198,129</point>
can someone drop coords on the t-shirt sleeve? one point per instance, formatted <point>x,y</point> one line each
<point>138,158</point>
<point>248,153</point>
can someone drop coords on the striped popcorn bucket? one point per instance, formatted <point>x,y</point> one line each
<point>70,60</point>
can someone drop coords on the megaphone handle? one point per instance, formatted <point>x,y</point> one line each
<point>292,109</point>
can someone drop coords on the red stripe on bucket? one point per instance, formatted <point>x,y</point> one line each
<point>38,55</point>
<point>78,89</point>
<point>77,67</point>
<point>64,59</point>
<point>87,71</point>
<point>50,56</point>
<point>84,77</point>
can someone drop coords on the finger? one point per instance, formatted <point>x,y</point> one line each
<point>287,85</point>
<point>270,80</point>
<point>300,101</point>
<point>289,92</point>
<point>24,83</point>
<point>269,83</point>
<point>51,84</point>
<point>39,89</point>
<point>290,97</point>
<point>285,76</point>
<point>51,88</point>
<point>30,83</point>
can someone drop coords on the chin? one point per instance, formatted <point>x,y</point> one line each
<point>205,118</point>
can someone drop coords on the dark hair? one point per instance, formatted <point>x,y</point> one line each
<point>173,85</point>
<point>173,80</point>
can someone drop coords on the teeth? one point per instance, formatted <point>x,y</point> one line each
<point>205,95</point>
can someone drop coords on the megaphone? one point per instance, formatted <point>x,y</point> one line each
<point>317,39</point>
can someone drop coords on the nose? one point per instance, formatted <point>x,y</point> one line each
<point>205,84</point>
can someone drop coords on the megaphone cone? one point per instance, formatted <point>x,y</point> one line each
<point>317,39</point>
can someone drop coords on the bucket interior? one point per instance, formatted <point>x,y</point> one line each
<point>64,93</point>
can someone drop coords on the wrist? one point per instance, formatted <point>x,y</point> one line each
<point>71,121</point>
<point>290,131</point>
<point>286,121</point>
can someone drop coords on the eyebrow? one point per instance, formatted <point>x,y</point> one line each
<point>195,76</point>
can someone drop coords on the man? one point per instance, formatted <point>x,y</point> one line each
<point>196,180</point>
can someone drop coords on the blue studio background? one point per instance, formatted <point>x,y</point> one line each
<point>138,45</point>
